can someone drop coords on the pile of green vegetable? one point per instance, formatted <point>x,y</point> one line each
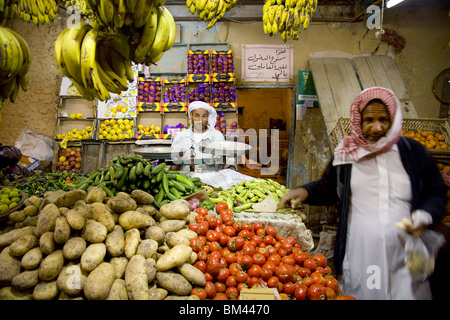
<point>9,198</point>
<point>245,194</point>
<point>128,173</point>
<point>38,182</point>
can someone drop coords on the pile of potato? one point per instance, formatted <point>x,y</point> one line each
<point>83,245</point>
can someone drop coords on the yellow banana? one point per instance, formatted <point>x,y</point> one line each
<point>200,5</point>
<point>34,7</point>
<point>172,29</point>
<point>284,16</point>
<point>121,66</point>
<point>23,82</point>
<point>148,35</point>
<point>306,22</point>
<point>106,9</point>
<point>58,52</point>
<point>17,54</point>
<point>278,14</point>
<point>119,18</point>
<point>273,10</point>
<point>107,77</point>
<point>7,55</point>
<point>302,16</point>
<point>275,28</point>
<point>161,39</point>
<point>188,3</point>
<point>41,7</point>
<point>283,36</point>
<point>89,72</point>
<point>290,18</point>
<point>71,47</point>
<point>26,54</point>
<point>141,12</point>
<point>192,8</point>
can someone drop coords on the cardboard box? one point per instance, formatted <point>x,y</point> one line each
<point>259,293</point>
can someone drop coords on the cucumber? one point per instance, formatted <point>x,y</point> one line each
<point>186,181</point>
<point>122,180</point>
<point>165,184</point>
<point>158,168</point>
<point>132,175</point>
<point>119,170</point>
<point>139,168</point>
<point>147,169</point>
<point>159,176</point>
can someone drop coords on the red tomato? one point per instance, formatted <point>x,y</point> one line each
<point>270,265</point>
<point>257,239</point>
<point>212,222</point>
<point>316,292</point>
<point>235,268</point>
<point>220,287</point>
<point>301,257</point>
<point>320,260</point>
<point>310,264</point>
<point>210,289</point>
<point>282,252</point>
<point>199,218</point>
<point>196,245</point>
<point>221,206</point>
<point>271,249</point>
<point>289,288</point>
<point>219,227</point>
<point>208,277</point>
<point>230,258</point>
<point>245,261</point>
<point>301,291</point>
<point>290,240</point>
<point>202,240</point>
<point>327,270</point>
<point>223,275</point>
<point>214,246</point>
<point>287,246</point>
<point>202,255</point>
<point>266,274</point>
<point>242,277</point>
<point>258,226</point>
<point>318,278</point>
<point>215,254</point>
<point>332,283</point>
<point>263,251</point>
<point>229,231</point>
<point>225,251</point>
<point>308,281</point>
<point>275,258</point>
<point>231,281</point>
<point>213,266</point>
<point>253,281</point>
<point>223,239</point>
<point>303,272</point>
<point>232,293</point>
<point>193,227</point>
<point>259,259</point>
<point>254,271</point>
<point>200,265</point>
<point>330,294</point>
<point>321,270</point>
<point>289,259</point>
<point>202,228</point>
<point>241,285</point>
<point>246,234</point>
<point>269,230</point>
<point>199,292</point>
<point>221,296</point>
<point>248,249</point>
<point>237,226</point>
<point>285,272</point>
<point>345,297</point>
<point>212,235</point>
<point>274,282</point>
<point>268,240</point>
<point>201,211</point>
<point>246,226</point>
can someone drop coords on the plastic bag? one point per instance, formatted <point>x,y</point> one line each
<point>36,145</point>
<point>421,252</point>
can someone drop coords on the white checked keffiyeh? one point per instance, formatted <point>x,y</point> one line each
<point>355,147</point>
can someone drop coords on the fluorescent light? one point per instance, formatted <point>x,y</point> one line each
<point>392,3</point>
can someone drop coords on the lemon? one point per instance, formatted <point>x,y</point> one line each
<point>106,122</point>
<point>6,190</point>
<point>112,132</point>
<point>79,116</point>
<point>72,116</point>
<point>113,115</point>
<point>157,129</point>
<point>128,127</point>
<point>113,110</point>
<point>140,126</point>
<point>115,127</point>
<point>112,121</point>
<point>108,129</point>
<point>102,126</point>
<point>119,131</point>
<point>114,137</point>
<point>83,132</point>
<point>74,130</point>
<point>100,136</point>
<point>12,205</point>
<point>108,136</point>
<point>3,207</point>
<point>126,136</point>
<point>152,131</point>
<point>122,126</point>
<point>120,136</point>
<point>130,132</point>
<point>126,121</point>
<point>5,201</point>
<point>88,129</point>
<point>152,127</point>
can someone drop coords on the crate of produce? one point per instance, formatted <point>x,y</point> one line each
<point>222,65</point>
<point>149,96</point>
<point>122,129</point>
<point>199,92</point>
<point>12,199</point>
<point>434,134</point>
<point>76,108</point>
<point>223,96</point>
<point>174,95</point>
<point>148,125</point>
<point>75,129</point>
<point>198,66</point>
<point>117,108</point>
<point>69,159</point>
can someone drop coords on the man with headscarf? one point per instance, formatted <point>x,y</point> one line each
<point>202,118</point>
<point>378,177</point>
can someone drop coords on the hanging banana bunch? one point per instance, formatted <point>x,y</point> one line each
<point>80,5</point>
<point>37,11</point>
<point>8,10</point>
<point>287,17</point>
<point>210,10</point>
<point>99,63</point>
<point>15,61</point>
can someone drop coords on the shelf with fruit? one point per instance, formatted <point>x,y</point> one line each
<point>198,66</point>
<point>174,95</point>
<point>149,94</point>
<point>116,129</point>
<point>69,160</point>
<point>74,129</point>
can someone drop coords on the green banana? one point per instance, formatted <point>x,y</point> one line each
<point>148,36</point>
<point>141,12</point>
<point>105,62</point>
<point>131,5</point>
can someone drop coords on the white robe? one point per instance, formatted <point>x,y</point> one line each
<point>374,266</point>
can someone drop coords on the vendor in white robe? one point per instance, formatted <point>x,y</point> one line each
<point>202,118</point>
<point>378,178</point>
